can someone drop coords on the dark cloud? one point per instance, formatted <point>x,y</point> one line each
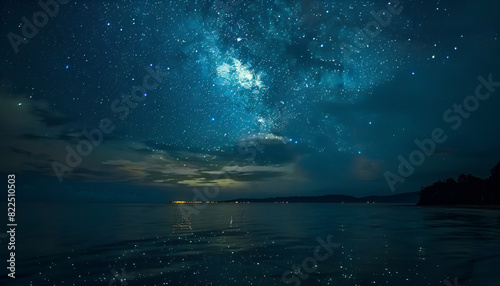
<point>50,118</point>
<point>19,151</point>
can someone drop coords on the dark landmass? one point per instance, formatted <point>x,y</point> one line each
<point>466,191</point>
<point>411,198</point>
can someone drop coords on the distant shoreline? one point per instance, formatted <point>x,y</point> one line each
<point>483,207</point>
<point>403,198</point>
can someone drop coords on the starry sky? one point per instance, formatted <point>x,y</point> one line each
<point>254,98</point>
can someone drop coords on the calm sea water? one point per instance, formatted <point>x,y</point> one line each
<point>255,244</point>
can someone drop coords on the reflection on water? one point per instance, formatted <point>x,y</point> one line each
<point>182,222</point>
<point>255,244</point>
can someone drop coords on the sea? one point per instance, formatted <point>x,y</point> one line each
<point>253,244</point>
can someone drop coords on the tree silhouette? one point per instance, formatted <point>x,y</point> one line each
<point>466,190</point>
<point>495,172</point>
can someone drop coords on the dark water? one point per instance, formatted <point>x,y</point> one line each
<point>255,244</point>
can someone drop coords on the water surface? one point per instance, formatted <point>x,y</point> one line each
<point>255,244</point>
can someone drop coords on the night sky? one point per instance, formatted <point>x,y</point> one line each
<point>260,98</point>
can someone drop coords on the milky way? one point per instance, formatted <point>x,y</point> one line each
<point>329,92</point>
<point>265,68</point>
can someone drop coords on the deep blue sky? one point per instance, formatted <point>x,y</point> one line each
<point>260,98</point>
